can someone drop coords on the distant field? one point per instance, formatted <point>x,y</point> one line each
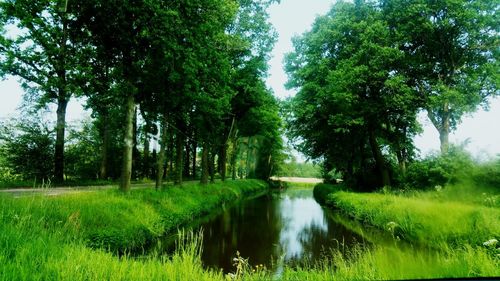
<point>298,180</point>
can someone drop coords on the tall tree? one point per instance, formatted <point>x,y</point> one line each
<point>36,48</point>
<point>126,31</point>
<point>451,50</point>
<point>353,98</point>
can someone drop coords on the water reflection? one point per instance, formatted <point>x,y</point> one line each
<point>302,220</point>
<point>289,227</point>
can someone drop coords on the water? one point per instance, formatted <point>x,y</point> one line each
<point>281,228</point>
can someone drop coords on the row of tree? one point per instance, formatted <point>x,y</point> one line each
<point>186,74</point>
<point>367,68</point>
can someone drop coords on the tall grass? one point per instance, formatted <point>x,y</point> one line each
<point>452,222</point>
<point>422,220</point>
<point>74,236</point>
<point>68,237</point>
<point>390,263</point>
<point>124,222</point>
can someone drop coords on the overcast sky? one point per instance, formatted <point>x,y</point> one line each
<point>293,17</point>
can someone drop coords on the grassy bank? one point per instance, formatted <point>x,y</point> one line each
<point>426,218</point>
<point>392,263</point>
<point>453,222</point>
<point>67,237</point>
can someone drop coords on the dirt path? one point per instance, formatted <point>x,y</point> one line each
<point>55,191</point>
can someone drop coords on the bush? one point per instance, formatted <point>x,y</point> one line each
<point>322,190</point>
<point>488,175</point>
<point>27,148</point>
<point>440,170</point>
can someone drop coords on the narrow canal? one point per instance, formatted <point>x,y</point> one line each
<point>279,228</point>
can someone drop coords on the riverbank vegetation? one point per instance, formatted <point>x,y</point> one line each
<point>78,236</point>
<point>455,216</point>
<point>453,232</point>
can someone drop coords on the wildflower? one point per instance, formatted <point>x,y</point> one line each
<point>490,243</point>
<point>438,188</point>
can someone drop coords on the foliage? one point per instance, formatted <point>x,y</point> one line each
<point>82,152</point>
<point>427,219</point>
<point>353,99</point>
<point>451,55</point>
<point>487,174</point>
<point>297,169</point>
<point>26,148</point>
<point>440,169</point>
<point>322,191</point>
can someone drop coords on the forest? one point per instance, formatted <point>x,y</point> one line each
<point>189,166</point>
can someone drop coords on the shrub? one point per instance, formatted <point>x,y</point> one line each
<point>488,174</point>
<point>440,170</point>
<point>27,148</point>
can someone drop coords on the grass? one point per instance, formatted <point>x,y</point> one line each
<point>391,263</point>
<point>73,237</point>
<point>451,223</point>
<point>426,218</point>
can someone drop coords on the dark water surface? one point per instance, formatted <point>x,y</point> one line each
<point>289,227</point>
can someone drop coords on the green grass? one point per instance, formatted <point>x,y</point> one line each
<point>423,219</point>
<point>125,222</point>
<point>73,236</point>
<point>322,190</point>
<point>391,263</point>
<point>449,227</point>
<point>67,237</point>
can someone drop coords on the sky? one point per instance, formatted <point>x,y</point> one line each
<point>293,17</point>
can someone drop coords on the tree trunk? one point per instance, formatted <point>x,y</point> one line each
<point>195,145</point>
<point>444,134</point>
<point>62,103</point>
<point>379,159</point>
<point>234,157</point>
<point>145,160</point>
<point>135,152</point>
<point>442,125</point>
<point>222,162</point>
<point>211,165</point>
<point>400,154</point>
<point>247,162</point>
<point>128,144</point>
<point>187,159</point>
<point>161,155</point>
<point>204,164</point>
<point>179,141</point>
<point>103,170</point>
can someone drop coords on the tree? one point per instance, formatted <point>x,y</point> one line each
<point>125,31</point>
<point>353,99</point>
<point>451,55</point>
<point>27,146</point>
<point>254,39</point>
<point>38,50</point>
